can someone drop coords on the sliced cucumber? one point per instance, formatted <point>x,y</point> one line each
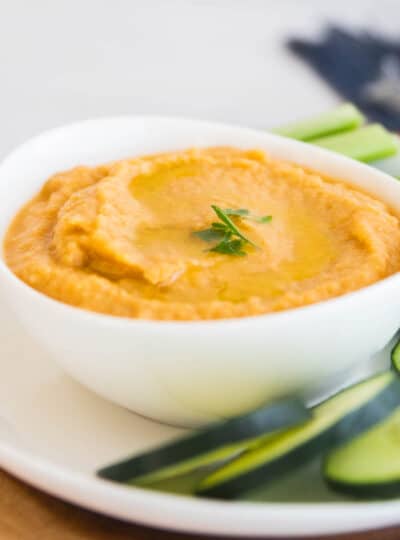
<point>342,118</point>
<point>368,143</point>
<point>205,462</point>
<point>214,443</point>
<point>369,465</point>
<point>335,421</point>
<point>395,356</point>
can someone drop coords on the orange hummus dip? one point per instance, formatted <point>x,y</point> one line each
<point>118,238</point>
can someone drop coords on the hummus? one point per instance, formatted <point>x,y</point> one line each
<point>118,238</point>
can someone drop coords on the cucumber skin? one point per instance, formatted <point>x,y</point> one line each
<point>344,430</point>
<point>393,358</point>
<point>277,415</point>
<point>365,491</point>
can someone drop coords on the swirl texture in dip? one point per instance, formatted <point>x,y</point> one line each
<point>118,238</point>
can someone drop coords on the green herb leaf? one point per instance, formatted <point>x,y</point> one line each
<point>260,219</point>
<point>230,240</point>
<point>229,223</point>
<point>218,225</point>
<point>245,214</point>
<point>209,235</point>
<point>230,247</point>
<point>239,212</point>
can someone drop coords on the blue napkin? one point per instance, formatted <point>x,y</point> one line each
<point>363,67</point>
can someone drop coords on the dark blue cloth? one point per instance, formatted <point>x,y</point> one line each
<point>349,62</point>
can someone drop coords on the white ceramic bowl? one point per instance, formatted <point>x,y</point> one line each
<point>190,372</point>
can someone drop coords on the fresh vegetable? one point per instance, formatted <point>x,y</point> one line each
<point>335,421</point>
<point>369,465</point>
<point>203,446</point>
<point>200,465</point>
<point>340,130</point>
<point>391,165</point>
<point>367,144</point>
<point>395,357</point>
<point>343,118</point>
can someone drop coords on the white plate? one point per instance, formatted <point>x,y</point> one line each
<point>54,434</point>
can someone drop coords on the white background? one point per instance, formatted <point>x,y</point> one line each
<point>65,60</point>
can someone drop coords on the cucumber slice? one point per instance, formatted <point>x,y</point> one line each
<point>203,463</point>
<point>334,421</point>
<point>395,357</point>
<point>369,465</point>
<point>214,443</point>
<point>343,118</point>
<point>368,143</point>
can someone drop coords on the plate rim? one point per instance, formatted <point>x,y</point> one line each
<point>192,515</point>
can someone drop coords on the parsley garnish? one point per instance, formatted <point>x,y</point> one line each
<point>230,240</point>
<point>244,213</point>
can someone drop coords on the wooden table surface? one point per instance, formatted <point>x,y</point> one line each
<point>27,514</point>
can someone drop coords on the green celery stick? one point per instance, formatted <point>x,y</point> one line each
<point>367,144</point>
<point>391,165</point>
<point>343,118</point>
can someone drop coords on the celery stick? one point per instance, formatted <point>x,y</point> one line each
<point>390,165</point>
<point>367,144</point>
<point>342,118</point>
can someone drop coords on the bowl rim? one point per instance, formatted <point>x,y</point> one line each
<point>102,318</point>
